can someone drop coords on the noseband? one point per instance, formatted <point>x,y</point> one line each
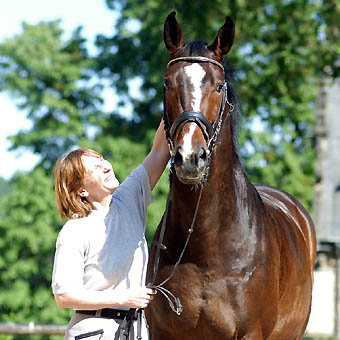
<point>210,131</point>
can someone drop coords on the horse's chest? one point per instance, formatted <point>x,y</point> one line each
<point>204,301</point>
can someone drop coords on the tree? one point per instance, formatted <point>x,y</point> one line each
<point>28,232</point>
<point>51,80</point>
<point>4,187</point>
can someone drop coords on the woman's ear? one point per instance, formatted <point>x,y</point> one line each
<point>83,193</point>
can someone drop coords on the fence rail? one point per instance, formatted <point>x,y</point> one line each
<point>31,328</point>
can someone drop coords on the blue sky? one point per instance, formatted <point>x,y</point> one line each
<point>93,15</point>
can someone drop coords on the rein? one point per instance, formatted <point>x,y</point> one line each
<point>159,244</point>
<point>210,133</point>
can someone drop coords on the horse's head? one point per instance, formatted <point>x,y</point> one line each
<point>195,97</point>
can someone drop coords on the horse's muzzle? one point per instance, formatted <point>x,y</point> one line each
<point>190,168</point>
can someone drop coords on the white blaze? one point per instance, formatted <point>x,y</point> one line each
<point>195,73</point>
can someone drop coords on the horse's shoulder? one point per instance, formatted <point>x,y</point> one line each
<point>278,198</point>
<point>280,201</point>
<point>284,204</point>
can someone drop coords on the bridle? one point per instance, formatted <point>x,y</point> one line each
<point>210,132</point>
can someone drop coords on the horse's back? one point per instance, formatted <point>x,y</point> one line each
<point>295,230</point>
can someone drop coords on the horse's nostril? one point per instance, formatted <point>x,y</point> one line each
<point>178,159</point>
<point>202,154</point>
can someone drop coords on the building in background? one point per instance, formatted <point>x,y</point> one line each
<point>327,190</point>
<point>325,316</point>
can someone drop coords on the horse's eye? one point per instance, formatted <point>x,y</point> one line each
<point>219,87</point>
<point>167,84</point>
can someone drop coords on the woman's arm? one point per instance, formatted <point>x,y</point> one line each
<point>93,300</point>
<point>158,157</point>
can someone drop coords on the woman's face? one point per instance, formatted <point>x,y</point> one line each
<point>100,179</point>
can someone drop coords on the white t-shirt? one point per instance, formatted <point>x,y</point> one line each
<point>100,252</point>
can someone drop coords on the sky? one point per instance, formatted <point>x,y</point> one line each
<point>95,18</point>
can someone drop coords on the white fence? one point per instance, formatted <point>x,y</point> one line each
<point>31,328</point>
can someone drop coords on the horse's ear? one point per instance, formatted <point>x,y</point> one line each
<point>224,39</point>
<point>172,33</point>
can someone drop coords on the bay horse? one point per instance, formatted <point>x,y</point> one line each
<point>234,259</point>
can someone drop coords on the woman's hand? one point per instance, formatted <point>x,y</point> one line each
<point>137,297</point>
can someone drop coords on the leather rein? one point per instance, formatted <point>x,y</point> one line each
<point>210,132</point>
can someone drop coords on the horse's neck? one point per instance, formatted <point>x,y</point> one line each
<point>227,215</point>
<point>225,181</point>
<point>227,178</point>
<point>227,195</point>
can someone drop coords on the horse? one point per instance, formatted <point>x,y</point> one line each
<point>234,259</point>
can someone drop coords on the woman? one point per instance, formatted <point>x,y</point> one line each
<point>101,252</point>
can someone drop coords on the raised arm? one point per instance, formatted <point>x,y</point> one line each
<point>158,157</point>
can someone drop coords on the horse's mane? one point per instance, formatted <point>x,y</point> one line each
<point>230,78</point>
<point>198,48</point>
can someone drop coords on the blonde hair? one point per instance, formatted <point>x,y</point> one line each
<point>69,174</point>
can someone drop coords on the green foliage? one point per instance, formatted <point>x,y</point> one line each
<point>30,337</point>
<point>51,80</point>
<point>5,187</point>
<point>6,337</point>
<point>28,234</point>
<point>156,209</point>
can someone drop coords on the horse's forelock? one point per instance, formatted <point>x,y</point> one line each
<point>196,48</point>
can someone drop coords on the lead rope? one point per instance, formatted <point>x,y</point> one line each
<point>167,293</point>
